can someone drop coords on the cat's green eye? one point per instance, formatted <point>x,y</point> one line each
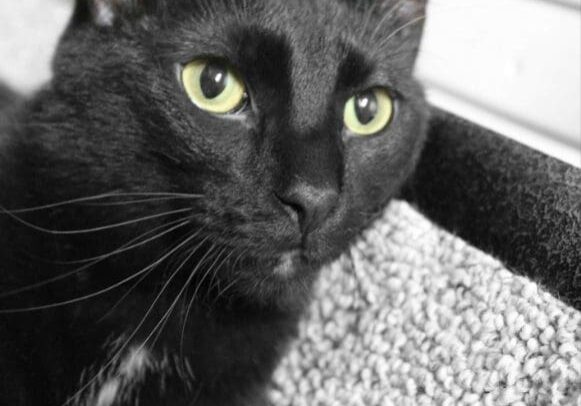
<point>213,86</point>
<point>368,112</point>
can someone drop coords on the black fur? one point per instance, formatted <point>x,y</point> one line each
<point>282,177</point>
<point>8,97</point>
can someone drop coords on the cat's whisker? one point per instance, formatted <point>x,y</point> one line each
<point>181,266</point>
<point>194,295</point>
<point>186,253</point>
<point>100,197</point>
<point>403,27</point>
<point>219,239</point>
<point>132,244</point>
<point>164,319</point>
<point>386,18</point>
<point>95,229</point>
<point>178,297</point>
<point>125,296</point>
<point>223,291</point>
<point>130,202</point>
<point>186,286</point>
<point>102,291</point>
<point>227,288</point>
<point>134,286</point>
<point>119,351</point>
<point>94,261</point>
<point>367,20</point>
<point>217,269</point>
<point>215,274</point>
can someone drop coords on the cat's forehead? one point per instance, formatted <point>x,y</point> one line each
<point>307,25</point>
<point>311,35</point>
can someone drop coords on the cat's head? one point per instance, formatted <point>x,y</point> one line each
<point>296,121</point>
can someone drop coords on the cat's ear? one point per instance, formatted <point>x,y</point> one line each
<point>106,12</point>
<point>410,12</point>
<point>394,18</point>
<point>404,9</point>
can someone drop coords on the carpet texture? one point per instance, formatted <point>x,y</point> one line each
<point>414,316</point>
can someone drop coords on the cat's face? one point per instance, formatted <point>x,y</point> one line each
<point>315,122</point>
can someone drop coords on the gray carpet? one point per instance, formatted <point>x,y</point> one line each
<point>414,316</point>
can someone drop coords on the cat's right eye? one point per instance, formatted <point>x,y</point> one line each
<point>214,86</point>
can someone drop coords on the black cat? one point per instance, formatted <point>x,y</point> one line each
<point>169,197</point>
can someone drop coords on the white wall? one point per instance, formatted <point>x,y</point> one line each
<point>511,65</point>
<point>29,31</point>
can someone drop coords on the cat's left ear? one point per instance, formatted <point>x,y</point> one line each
<point>106,12</point>
<point>408,13</point>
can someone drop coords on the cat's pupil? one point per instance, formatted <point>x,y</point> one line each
<point>366,107</point>
<point>213,79</point>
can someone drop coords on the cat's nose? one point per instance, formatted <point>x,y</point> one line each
<point>309,205</point>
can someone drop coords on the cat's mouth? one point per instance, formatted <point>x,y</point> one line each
<point>283,266</point>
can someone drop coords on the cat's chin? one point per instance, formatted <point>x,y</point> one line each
<point>288,264</point>
<point>283,281</point>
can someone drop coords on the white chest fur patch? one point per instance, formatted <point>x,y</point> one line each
<point>108,393</point>
<point>136,364</point>
<point>130,371</point>
<point>103,12</point>
<point>121,382</point>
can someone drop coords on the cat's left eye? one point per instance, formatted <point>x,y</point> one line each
<point>214,86</point>
<point>369,112</point>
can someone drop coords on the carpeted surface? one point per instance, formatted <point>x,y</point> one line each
<point>413,315</point>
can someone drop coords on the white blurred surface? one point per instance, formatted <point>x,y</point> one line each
<point>29,31</point>
<point>511,65</point>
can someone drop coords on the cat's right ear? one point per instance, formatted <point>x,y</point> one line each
<point>106,13</point>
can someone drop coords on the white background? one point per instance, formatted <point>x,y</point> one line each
<point>511,65</point>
